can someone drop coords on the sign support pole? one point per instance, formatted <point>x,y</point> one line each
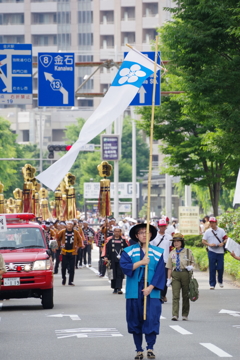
<point>150,177</point>
<point>134,165</point>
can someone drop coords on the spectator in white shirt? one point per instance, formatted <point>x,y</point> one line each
<point>162,240</point>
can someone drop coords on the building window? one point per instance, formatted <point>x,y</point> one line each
<point>154,160</point>
<point>88,85</point>
<point>44,18</point>
<point>85,17</point>
<point>12,39</point>
<point>85,103</point>
<point>104,87</point>
<point>11,19</point>
<point>128,13</point>
<point>85,58</point>
<point>106,17</point>
<point>107,41</point>
<point>64,17</point>
<point>64,41</point>
<point>25,135</point>
<point>150,9</point>
<point>85,39</point>
<point>149,35</point>
<point>127,38</point>
<point>35,83</point>
<point>44,40</point>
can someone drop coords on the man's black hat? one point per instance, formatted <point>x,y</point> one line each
<point>134,230</point>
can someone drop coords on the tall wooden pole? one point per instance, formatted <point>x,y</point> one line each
<point>150,175</point>
<point>150,171</point>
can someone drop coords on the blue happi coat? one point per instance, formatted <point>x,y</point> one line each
<point>135,284</point>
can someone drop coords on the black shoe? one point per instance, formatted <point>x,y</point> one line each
<point>115,291</point>
<point>120,291</point>
<point>150,354</point>
<point>55,273</point>
<point>63,281</point>
<point>139,355</point>
<point>76,267</point>
<point>71,284</point>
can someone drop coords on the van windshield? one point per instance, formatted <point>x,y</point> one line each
<point>21,238</point>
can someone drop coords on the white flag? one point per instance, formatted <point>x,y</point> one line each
<point>135,69</point>
<point>236,199</point>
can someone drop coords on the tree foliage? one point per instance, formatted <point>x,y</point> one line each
<point>199,129</point>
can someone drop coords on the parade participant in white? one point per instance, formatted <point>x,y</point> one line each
<point>135,69</point>
<point>162,240</point>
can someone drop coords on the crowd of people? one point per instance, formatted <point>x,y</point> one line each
<point>123,252</point>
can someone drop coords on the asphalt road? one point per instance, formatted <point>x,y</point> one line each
<point>88,323</point>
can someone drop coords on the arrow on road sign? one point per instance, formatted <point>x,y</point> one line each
<point>230,312</point>
<point>142,93</point>
<point>73,317</point>
<point>50,78</point>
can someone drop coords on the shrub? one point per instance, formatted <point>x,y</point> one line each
<point>193,240</point>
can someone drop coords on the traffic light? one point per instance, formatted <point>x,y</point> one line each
<point>52,148</point>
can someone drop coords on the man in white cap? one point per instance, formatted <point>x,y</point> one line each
<point>162,240</point>
<point>215,238</point>
<point>170,228</point>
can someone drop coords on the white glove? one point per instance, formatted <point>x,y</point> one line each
<point>169,281</point>
<point>189,267</point>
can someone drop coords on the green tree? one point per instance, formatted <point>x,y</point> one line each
<point>199,129</point>
<point>8,169</point>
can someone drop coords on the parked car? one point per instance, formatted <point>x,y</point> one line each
<point>28,260</point>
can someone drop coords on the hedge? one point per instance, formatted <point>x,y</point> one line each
<point>231,265</point>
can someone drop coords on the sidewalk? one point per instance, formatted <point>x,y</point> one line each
<point>203,280</point>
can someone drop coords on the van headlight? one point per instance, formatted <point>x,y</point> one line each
<point>41,265</point>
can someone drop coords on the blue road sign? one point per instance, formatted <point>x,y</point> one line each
<point>56,79</point>
<point>144,95</point>
<point>15,74</point>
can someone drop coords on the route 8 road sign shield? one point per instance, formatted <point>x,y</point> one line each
<point>56,79</point>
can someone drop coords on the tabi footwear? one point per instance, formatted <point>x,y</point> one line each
<point>139,355</point>
<point>150,354</point>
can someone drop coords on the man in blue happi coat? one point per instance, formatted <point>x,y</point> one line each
<point>132,262</point>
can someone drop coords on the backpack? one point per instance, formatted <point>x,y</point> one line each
<point>193,291</point>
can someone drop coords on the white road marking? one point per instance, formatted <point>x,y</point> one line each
<point>180,330</point>
<point>87,333</point>
<point>236,326</point>
<point>230,312</point>
<point>73,317</point>
<point>216,350</point>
